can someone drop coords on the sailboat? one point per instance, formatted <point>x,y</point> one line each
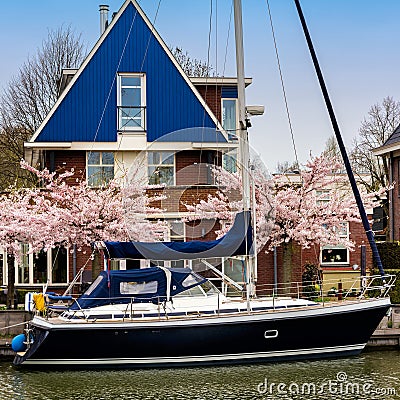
<point>170,317</point>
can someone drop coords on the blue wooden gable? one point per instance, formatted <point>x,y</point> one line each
<point>88,110</point>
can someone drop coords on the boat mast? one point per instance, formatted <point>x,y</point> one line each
<point>244,153</point>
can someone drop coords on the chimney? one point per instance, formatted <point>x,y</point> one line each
<point>103,17</point>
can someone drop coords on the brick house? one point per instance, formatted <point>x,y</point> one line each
<point>336,263</point>
<point>390,153</point>
<point>131,96</point>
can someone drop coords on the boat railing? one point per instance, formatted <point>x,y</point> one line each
<point>371,286</point>
<point>278,297</point>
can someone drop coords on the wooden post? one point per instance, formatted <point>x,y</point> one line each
<point>340,291</point>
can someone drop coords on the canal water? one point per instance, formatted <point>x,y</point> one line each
<point>372,375</point>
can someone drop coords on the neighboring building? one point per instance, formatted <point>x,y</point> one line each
<point>336,263</point>
<point>390,153</point>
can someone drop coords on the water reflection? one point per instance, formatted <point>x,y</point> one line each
<point>376,372</point>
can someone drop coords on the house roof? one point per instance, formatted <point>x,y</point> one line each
<point>391,144</point>
<point>87,109</point>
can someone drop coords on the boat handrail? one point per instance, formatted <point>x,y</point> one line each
<point>363,286</point>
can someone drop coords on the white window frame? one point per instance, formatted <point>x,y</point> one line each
<point>30,268</point>
<point>170,237</point>
<point>338,247</point>
<point>4,268</point>
<point>229,132</point>
<point>50,267</point>
<point>132,129</point>
<point>30,271</point>
<point>97,165</point>
<point>173,166</point>
<point>228,154</point>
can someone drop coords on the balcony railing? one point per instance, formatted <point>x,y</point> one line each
<point>131,118</point>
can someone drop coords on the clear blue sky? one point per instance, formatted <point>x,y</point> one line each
<point>356,42</point>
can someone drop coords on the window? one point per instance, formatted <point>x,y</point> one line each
<point>23,266</point>
<point>100,168</point>
<point>177,231</point>
<point>116,265</point>
<point>34,269</point>
<point>40,267</point>
<point>334,255</point>
<point>161,167</point>
<point>131,102</point>
<point>323,196</point>
<point>59,265</point>
<point>229,122</point>
<point>191,279</point>
<point>177,234</point>
<point>2,268</point>
<point>138,287</point>
<point>94,285</point>
<point>229,161</point>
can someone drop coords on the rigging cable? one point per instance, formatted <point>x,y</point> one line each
<point>335,126</point>
<point>283,85</point>
<point>141,69</point>
<point>205,95</point>
<point>112,84</point>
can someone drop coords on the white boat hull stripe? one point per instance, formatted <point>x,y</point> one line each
<point>197,359</point>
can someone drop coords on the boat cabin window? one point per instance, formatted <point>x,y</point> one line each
<point>205,289</point>
<point>194,291</point>
<point>191,279</point>
<point>138,287</point>
<point>94,285</point>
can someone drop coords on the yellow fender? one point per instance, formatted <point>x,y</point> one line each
<point>39,301</point>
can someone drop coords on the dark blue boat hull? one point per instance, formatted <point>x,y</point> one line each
<point>301,334</point>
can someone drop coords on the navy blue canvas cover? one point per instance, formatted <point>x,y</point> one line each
<point>106,289</point>
<point>238,241</point>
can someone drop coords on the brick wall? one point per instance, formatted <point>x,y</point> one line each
<point>300,257</point>
<point>265,269</point>
<point>212,96</point>
<point>194,167</point>
<point>66,160</point>
<point>177,196</point>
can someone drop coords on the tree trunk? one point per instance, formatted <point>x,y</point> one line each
<point>97,266</point>
<point>11,282</point>
<point>290,250</point>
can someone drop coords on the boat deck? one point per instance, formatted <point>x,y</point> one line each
<point>78,316</point>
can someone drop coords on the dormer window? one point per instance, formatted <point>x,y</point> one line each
<point>131,102</point>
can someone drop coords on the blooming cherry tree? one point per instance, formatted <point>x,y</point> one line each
<point>307,208</point>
